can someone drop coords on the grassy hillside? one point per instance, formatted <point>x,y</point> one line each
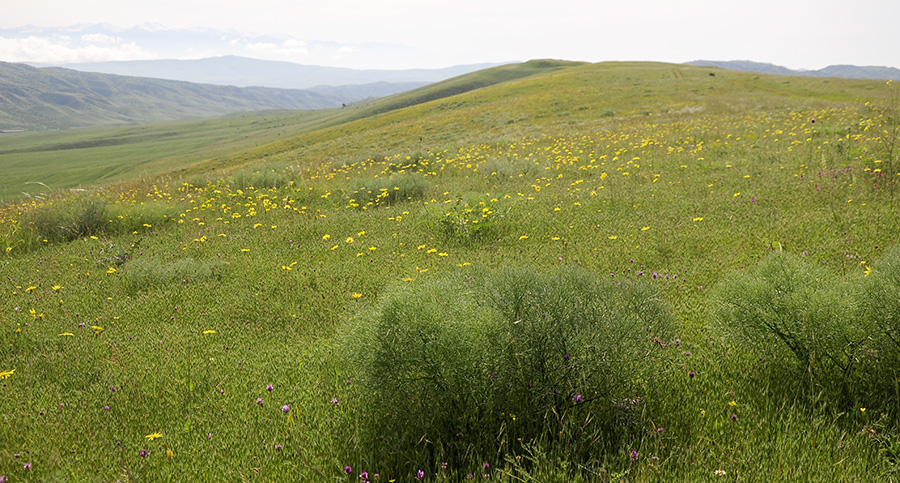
<point>45,162</point>
<point>36,163</point>
<point>607,272</point>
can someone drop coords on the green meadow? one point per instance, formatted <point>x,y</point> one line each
<point>546,272</point>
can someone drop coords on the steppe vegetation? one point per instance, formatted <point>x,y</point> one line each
<point>607,272</point>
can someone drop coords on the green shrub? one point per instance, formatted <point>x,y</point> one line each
<point>66,219</point>
<point>879,302</point>
<point>878,299</point>
<point>791,313</point>
<point>468,368</point>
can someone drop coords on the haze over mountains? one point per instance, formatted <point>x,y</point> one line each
<point>247,72</point>
<point>843,71</point>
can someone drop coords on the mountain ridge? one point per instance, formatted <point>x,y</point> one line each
<point>845,71</point>
<point>58,98</point>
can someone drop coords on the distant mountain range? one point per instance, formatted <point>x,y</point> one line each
<point>844,71</point>
<point>245,72</point>
<point>57,98</point>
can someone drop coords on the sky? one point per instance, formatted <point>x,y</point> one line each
<point>403,34</point>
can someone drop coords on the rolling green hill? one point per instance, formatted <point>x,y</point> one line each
<point>82,157</point>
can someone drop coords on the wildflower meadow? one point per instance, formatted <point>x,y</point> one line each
<point>592,272</point>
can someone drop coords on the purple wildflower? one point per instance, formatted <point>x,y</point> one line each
<point>286,408</point>
<point>277,447</point>
<point>334,401</point>
<point>269,387</point>
<point>259,401</point>
<point>420,475</point>
<point>734,417</point>
<point>113,389</point>
<point>577,398</point>
<point>28,466</point>
<point>106,408</point>
<point>143,453</point>
<point>691,374</point>
<point>634,455</point>
<point>348,470</point>
<point>364,475</point>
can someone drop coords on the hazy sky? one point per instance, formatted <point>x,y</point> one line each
<point>422,33</point>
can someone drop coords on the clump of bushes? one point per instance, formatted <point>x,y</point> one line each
<point>818,333</point>
<point>473,367</point>
<point>66,219</point>
<point>788,310</point>
<point>878,305</point>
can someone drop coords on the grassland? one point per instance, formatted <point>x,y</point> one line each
<point>38,163</point>
<point>211,323</point>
